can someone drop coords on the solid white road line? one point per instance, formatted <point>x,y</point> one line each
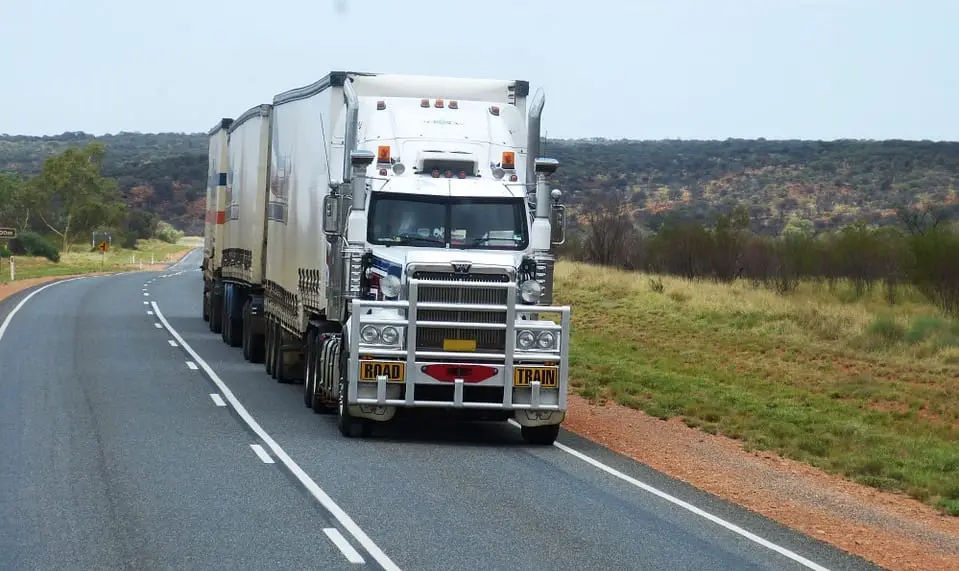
<point>9,318</point>
<point>687,506</point>
<point>338,540</point>
<point>217,399</point>
<point>172,343</point>
<point>261,453</point>
<point>315,490</point>
<point>191,365</point>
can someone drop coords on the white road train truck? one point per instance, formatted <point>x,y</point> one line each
<point>408,251</point>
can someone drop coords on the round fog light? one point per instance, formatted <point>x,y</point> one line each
<point>389,335</point>
<point>525,339</point>
<point>369,334</point>
<point>530,291</point>
<point>545,340</point>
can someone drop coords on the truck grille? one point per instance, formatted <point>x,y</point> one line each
<point>431,339</point>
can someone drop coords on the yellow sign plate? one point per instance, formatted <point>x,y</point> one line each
<point>459,345</point>
<point>548,377</point>
<point>395,371</point>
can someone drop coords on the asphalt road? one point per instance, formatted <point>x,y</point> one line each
<point>139,440</point>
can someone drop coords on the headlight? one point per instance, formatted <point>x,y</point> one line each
<point>369,334</point>
<point>530,291</point>
<point>546,340</point>
<point>390,286</point>
<point>536,340</point>
<point>525,340</point>
<point>389,335</point>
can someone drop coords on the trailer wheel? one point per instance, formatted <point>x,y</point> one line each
<point>349,425</point>
<point>309,375</point>
<point>282,367</point>
<point>245,319</point>
<point>540,435</point>
<point>216,313</point>
<point>206,306</point>
<point>255,342</point>
<point>269,363</point>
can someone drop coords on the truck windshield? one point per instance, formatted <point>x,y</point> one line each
<point>437,221</point>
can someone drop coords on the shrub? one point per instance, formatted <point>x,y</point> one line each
<point>33,244</point>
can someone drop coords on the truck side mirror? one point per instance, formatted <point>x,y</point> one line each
<point>557,224</point>
<point>331,215</point>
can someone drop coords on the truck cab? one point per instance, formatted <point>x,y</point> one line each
<point>449,256</point>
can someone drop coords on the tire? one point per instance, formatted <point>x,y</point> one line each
<point>225,318</point>
<point>350,426</point>
<point>245,344</point>
<point>268,362</point>
<point>540,435</point>
<point>206,307</point>
<point>216,313</point>
<point>309,375</point>
<point>282,369</point>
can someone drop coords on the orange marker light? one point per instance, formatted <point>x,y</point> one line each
<point>439,103</point>
<point>383,154</point>
<point>509,160</point>
<point>453,105</point>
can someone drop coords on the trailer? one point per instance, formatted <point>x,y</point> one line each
<point>213,228</point>
<point>244,231</point>
<point>408,256</point>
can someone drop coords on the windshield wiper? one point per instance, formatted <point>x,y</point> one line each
<point>406,239</point>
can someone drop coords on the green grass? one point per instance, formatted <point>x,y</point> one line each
<point>854,386</point>
<point>81,261</point>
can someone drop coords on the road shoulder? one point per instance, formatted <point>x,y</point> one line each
<point>890,530</point>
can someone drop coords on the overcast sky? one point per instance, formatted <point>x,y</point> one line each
<point>638,69</point>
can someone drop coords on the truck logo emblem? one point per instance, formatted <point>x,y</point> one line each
<point>461,267</point>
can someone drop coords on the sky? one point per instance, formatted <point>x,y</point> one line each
<point>636,69</point>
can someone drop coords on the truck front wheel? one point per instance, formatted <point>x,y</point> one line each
<point>349,425</point>
<point>540,435</point>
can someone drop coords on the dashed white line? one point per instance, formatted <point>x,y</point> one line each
<point>146,294</point>
<point>158,326</point>
<point>687,506</point>
<point>191,365</point>
<point>146,303</point>
<point>338,540</point>
<point>172,343</point>
<point>149,313</point>
<point>217,399</point>
<point>261,453</point>
<point>311,486</point>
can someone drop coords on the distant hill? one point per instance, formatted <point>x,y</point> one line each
<point>830,183</point>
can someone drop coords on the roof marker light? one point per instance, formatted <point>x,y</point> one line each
<point>449,174</point>
<point>380,105</point>
<point>494,110</point>
<point>424,102</point>
<point>462,174</point>
<point>436,173</point>
<point>438,104</point>
<point>453,104</point>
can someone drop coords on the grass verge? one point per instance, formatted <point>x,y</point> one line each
<point>854,386</point>
<point>80,261</point>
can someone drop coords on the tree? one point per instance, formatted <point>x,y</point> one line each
<point>13,209</point>
<point>70,196</point>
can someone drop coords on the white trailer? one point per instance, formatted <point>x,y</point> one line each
<point>244,233</point>
<point>213,231</point>
<point>449,313</point>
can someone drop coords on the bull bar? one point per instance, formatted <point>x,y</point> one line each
<point>414,357</point>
